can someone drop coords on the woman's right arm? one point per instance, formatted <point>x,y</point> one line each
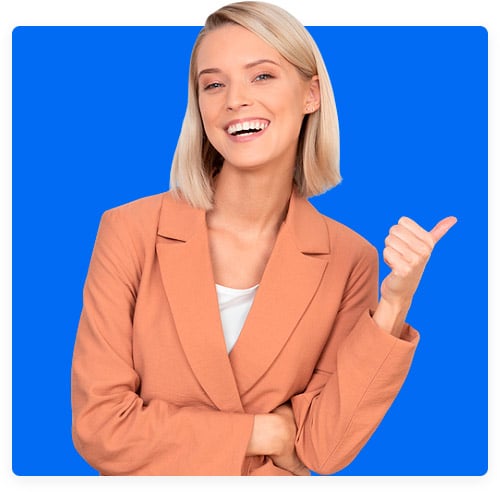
<point>113,428</point>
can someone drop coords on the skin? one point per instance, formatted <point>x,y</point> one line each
<point>240,77</point>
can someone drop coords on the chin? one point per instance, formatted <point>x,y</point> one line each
<point>247,166</point>
<point>249,163</point>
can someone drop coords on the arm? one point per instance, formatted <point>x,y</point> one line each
<point>113,428</point>
<point>356,379</point>
<point>366,359</point>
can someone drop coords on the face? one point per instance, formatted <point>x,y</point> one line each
<point>252,101</point>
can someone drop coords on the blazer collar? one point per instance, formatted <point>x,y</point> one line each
<point>178,220</point>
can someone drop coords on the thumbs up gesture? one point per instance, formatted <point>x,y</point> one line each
<point>408,248</point>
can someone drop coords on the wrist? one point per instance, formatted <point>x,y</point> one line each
<point>284,435</point>
<point>269,435</point>
<point>391,316</point>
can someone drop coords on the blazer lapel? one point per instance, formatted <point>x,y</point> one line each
<point>186,269</point>
<point>291,278</point>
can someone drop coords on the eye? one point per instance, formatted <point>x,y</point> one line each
<point>264,76</point>
<point>213,85</point>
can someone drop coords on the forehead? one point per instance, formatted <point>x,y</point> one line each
<point>231,45</point>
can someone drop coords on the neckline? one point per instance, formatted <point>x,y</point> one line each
<point>231,290</point>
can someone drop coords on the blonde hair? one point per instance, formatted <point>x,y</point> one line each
<point>196,161</point>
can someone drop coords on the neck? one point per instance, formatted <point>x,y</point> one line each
<point>250,203</point>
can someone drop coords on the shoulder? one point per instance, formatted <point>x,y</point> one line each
<point>347,241</point>
<point>135,223</point>
<point>352,256</point>
<point>140,210</point>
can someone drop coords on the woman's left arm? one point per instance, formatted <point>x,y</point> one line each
<point>368,354</point>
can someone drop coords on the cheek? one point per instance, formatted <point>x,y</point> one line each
<point>203,110</point>
<point>290,102</point>
<point>206,118</point>
<point>207,105</point>
<point>295,117</point>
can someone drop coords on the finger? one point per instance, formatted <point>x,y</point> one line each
<point>442,227</point>
<point>303,472</point>
<point>396,262</point>
<point>417,230</point>
<point>408,244</point>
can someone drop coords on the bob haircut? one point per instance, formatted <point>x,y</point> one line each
<point>196,161</point>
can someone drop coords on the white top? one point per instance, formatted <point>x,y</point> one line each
<point>234,305</point>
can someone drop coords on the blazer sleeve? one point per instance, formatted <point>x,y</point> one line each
<point>113,428</point>
<point>358,376</point>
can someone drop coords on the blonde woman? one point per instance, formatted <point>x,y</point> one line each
<point>229,328</point>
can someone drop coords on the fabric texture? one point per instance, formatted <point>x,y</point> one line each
<point>154,391</point>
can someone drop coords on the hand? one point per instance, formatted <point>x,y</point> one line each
<point>287,457</point>
<point>408,248</point>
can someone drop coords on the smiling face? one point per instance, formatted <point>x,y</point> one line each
<point>252,101</point>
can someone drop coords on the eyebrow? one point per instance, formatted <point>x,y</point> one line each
<point>248,65</point>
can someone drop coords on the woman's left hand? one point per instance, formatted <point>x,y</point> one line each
<point>408,248</point>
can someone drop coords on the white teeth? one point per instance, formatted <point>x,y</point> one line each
<point>247,125</point>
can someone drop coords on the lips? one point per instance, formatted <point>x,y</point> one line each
<point>247,127</point>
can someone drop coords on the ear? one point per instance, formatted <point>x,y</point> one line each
<point>313,96</point>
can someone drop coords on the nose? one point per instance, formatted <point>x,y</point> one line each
<point>237,97</point>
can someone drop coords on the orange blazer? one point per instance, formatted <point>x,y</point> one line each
<point>154,391</point>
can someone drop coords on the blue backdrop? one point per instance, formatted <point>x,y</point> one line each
<point>96,115</point>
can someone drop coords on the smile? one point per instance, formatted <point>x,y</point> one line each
<point>249,127</point>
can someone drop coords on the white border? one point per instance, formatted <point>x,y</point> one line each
<point>193,12</point>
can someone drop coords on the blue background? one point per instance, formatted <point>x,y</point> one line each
<point>96,115</point>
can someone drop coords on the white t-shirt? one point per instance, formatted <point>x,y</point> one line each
<point>234,305</point>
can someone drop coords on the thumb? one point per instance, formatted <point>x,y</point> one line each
<point>442,227</point>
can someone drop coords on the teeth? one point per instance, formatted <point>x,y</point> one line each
<point>247,125</point>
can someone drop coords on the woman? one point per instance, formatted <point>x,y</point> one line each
<point>228,328</point>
